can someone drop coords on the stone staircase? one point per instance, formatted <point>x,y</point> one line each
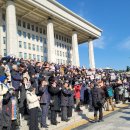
<point>77,116</point>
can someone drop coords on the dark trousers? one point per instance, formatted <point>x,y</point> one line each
<point>96,110</point>
<point>64,113</point>
<point>44,114</point>
<point>33,119</point>
<point>53,117</point>
<point>69,111</point>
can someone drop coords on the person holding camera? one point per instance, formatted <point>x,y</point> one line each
<point>54,91</point>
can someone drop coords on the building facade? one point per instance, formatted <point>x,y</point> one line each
<point>44,30</point>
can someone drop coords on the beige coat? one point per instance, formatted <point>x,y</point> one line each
<point>32,100</point>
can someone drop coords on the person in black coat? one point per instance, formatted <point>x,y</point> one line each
<point>54,91</point>
<point>70,102</point>
<point>6,111</point>
<point>98,96</point>
<point>44,101</point>
<point>65,93</point>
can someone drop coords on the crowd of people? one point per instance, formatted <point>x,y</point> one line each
<point>29,87</point>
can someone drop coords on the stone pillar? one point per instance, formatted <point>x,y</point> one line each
<point>91,55</point>
<point>50,42</point>
<point>75,52</point>
<point>1,38</point>
<point>11,28</point>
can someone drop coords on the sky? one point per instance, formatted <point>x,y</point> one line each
<point>113,17</point>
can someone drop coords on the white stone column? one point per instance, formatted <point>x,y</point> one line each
<point>11,28</point>
<point>50,42</point>
<point>1,31</point>
<point>75,52</point>
<point>91,54</point>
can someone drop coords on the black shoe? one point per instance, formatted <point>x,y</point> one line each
<point>54,123</point>
<point>44,126</point>
<point>101,120</point>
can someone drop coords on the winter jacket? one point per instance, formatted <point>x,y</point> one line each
<point>77,89</point>
<point>45,96</point>
<point>32,100</point>
<point>16,78</point>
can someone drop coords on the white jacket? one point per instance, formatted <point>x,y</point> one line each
<point>32,100</point>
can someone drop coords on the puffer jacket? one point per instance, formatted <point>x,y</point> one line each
<point>32,100</point>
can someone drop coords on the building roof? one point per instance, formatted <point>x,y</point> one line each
<point>64,20</point>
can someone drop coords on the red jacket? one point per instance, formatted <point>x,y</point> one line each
<point>77,89</point>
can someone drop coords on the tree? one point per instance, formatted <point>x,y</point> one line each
<point>128,68</point>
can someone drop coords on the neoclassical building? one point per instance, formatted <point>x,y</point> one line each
<point>44,30</point>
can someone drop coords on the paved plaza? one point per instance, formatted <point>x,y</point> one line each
<point>118,121</point>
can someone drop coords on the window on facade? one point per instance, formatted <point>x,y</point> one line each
<point>30,56</point>
<point>32,27</point>
<point>25,55</point>
<point>63,46</point>
<point>42,58</point>
<point>19,22</point>
<point>4,40</point>
<point>37,48</point>
<point>57,44</point>
<point>24,24</point>
<point>66,54</point>
<point>62,38</point>
<point>38,57</point>
<point>37,38</point>
<point>20,44</point>
<point>41,30</point>
<point>33,46</point>
<point>59,37</point>
<point>60,53</point>
<point>58,61</point>
<point>33,37</point>
<point>60,45</point>
<point>41,48</point>
<point>57,53</point>
<point>45,42</point>
<point>45,58</point>
<point>56,36</point>
<point>24,34</point>
<point>29,36</point>
<point>20,55</point>
<point>41,39</point>
<point>19,33</point>
<point>36,29</point>
<point>34,56</point>
<point>29,46</point>
<point>67,40</point>
<point>28,26</point>
<point>44,31</point>
<point>4,28</point>
<point>70,41</point>
<point>3,17</point>
<point>25,45</point>
<point>5,52</point>
<point>63,54</point>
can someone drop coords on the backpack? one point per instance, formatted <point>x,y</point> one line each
<point>110,92</point>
